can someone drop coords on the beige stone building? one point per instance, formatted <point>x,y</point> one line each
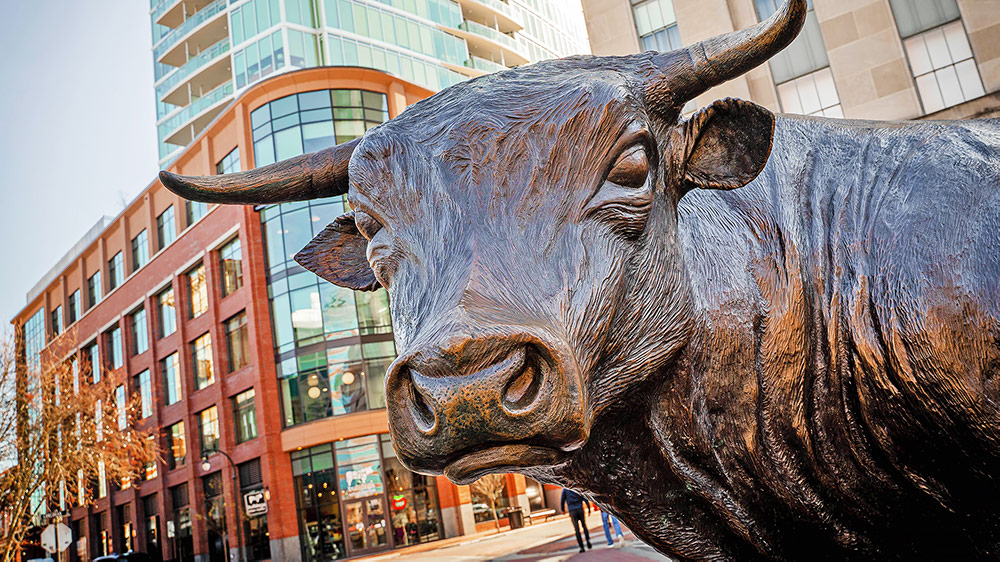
<point>859,59</point>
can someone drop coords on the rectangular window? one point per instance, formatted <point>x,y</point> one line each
<point>805,55</point>
<point>73,311</point>
<point>943,67</point>
<point>208,430</point>
<point>172,391</point>
<point>140,250</point>
<point>93,357</point>
<point>143,382</point>
<point>238,342</point>
<point>167,312</point>
<point>916,16</point>
<point>113,341</point>
<point>137,322</point>
<point>656,25</point>
<point>230,163</point>
<point>195,210</point>
<point>116,271</point>
<point>94,289</point>
<point>812,94</point>
<point>201,358</point>
<point>197,292</point>
<point>245,416</point>
<point>150,470</point>
<point>176,446</point>
<point>165,229</point>
<point>231,260</point>
<point>57,321</point>
<point>120,407</point>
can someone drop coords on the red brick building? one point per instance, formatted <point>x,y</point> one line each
<point>234,348</point>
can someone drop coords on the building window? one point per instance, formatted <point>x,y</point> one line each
<point>656,25</point>
<point>94,291</point>
<point>215,515</point>
<point>172,390</point>
<point>917,16</point>
<point>231,260</point>
<point>73,311</point>
<point>150,471</point>
<point>812,94</point>
<point>167,312</point>
<point>238,342</point>
<point>183,537</point>
<point>943,67</point>
<point>140,341</point>
<point>245,416</point>
<point>116,357</point>
<point>230,163</point>
<point>195,210</point>
<point>197,292</point>
<point>150,512</point>
<point>120,407</point>
<point>92,356</point>
<point>140,250</point>
<point>255,528</point>
<point>144,384</point>
<point>116,271</point>
<point>165,229</point>
<point>176,446</point>
<point>208,430</point>
<point>57,321</point>
<point>201,359</point>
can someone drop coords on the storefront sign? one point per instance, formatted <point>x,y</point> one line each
<point>255,503</point>
<point>398,502</point>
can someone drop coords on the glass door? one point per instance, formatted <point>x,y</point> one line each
<point>366,525</point>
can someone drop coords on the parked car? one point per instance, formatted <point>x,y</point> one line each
<point>127,557</point>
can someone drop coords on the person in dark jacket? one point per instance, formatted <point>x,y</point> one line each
<point>573,503</point>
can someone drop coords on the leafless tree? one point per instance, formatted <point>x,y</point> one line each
<point>490,489</point>
<point>65,436</point>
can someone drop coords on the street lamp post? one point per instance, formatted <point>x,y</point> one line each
<point>206,465</point>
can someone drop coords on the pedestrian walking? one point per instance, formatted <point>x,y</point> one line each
<point>605,516</point>
<point>573,503</point>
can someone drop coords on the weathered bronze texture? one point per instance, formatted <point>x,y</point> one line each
<point>749,337</point>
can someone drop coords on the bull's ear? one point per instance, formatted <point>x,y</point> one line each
<point>725,145</point>
<point>339,255</point>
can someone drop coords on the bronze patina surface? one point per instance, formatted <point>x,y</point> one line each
<point>750,337</point>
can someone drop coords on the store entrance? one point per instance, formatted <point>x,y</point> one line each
<point>367,526</point>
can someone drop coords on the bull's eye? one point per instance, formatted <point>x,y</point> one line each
<point>367,225</point>
<point>631,169</point>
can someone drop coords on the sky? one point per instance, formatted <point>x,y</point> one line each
<point>77,128</point>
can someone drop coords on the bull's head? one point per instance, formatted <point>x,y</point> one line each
<point>525,226</point>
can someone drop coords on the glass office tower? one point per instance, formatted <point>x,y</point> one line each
<point>206,52</point>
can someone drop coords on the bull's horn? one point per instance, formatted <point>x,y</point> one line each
<point>310,176</point>
<point>687,73</point>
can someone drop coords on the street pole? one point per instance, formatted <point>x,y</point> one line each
<point>206,465</point>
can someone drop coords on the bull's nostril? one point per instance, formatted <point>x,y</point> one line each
<point>422,413</point>
<point>522,390</point>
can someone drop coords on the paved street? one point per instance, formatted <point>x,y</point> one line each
<point>549,542</point>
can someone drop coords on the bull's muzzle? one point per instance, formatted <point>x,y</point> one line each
<point>483,406</point>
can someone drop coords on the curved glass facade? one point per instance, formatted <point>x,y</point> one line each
<point>333,345</point>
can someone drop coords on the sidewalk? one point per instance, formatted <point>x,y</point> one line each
<point>552,541</point>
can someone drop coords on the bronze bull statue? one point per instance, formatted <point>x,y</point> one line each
<point>750,337</point>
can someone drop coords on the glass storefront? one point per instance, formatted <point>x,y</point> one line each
<point>355,498</point>
<point>333,345</point>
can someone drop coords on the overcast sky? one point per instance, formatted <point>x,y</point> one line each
<point>77,128</point>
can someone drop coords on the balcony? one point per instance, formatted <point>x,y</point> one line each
<point>490,44</point>
<point>203,72</point>
<point>198,33</point>
<point>172,13</point>
<point>181,127</point>
<point>475,66</point>
<point>505,17</point>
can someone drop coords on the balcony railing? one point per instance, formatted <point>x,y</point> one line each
<point>504,8</point>
<point>485,65</point>
<point>178,76</point>
<point>183,29</point>
<point>490,33</point>
<point>159,6</point>
<point>185,115</point>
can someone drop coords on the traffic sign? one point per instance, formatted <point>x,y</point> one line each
<point>51,532</point>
